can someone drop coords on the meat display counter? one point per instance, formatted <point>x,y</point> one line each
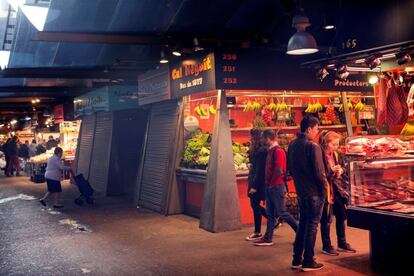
<point>382,197</point>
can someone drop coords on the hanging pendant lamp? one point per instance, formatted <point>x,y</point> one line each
<point>302,42</point>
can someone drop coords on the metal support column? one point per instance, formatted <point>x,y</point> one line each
<point>221,208</point>
<point>347,114</point>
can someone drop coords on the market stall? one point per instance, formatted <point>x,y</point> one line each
<point>225,94</point>
<point>110,139</point>
<point>280,111</point>
<point>36,165</point>
<point>69,133</point>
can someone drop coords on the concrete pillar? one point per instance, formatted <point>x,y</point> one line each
<point>221,208</point>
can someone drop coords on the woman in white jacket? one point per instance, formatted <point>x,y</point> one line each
<point>53,176</point>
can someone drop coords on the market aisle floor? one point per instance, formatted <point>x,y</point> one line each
<point>129,241</point>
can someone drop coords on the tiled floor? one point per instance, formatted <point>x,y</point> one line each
<point>125,240</point>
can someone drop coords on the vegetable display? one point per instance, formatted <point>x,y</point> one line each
<point>197,152</point>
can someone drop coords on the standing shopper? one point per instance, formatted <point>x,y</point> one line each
<point>305,165</point>
<point>337,196</point>
<point>256,189</point>
<point>14,159</point>
<point>275,188</point>
<point>24,150</point>
<point>53,176</point>
<point>32,148</point>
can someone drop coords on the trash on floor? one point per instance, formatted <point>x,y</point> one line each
<point>19,196</point>
<point>75,225</point>
<point>52,212</point>
<point>85,270</point>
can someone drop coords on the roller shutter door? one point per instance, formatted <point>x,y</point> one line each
<point>126,151</point>
<point>98,176</point>
<point>158,154</point>
<point>84,148</point>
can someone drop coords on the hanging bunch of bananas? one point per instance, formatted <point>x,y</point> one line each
<point>200,111</point>
<point>278,107</point>
<point>408,128</point>
<point>212,109</point>
<point>359,106</point>
<point>252,106</point>
<point>350,107</point>
<point>313,108</point>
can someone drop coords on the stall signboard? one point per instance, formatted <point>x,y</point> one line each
<point>58,114</point>
<point>94,101</point>
<point>25,135</point>
<point>193,75</point>
<point>263,69</point>
<point>122,97</point>
<point>108,98</point>
<point>154,86</point>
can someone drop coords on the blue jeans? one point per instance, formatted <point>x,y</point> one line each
<point>310,209</point>
<point>275,205</point>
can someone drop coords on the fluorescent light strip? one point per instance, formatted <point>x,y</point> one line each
<point>363,69</point>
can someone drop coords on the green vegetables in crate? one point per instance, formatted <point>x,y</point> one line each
<point>240,156</point>
<point>197,152</point>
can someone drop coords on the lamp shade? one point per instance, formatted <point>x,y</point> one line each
<point>301,43</point>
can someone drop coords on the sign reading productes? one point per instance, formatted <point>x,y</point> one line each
<point>348,83</point>
<point>193,75</point>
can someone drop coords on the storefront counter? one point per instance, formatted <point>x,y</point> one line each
<point>193,182</point>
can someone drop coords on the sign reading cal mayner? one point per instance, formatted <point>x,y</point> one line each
<point>193,75</point>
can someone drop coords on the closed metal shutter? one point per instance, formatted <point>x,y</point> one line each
<point>157,160</point>
<point>126,151</point>
<point>84,148</point>
<point>98,176</point>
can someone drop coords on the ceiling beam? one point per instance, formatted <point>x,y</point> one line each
<point>39,89</point>
<point>101,38</point>
<point>99,72</point>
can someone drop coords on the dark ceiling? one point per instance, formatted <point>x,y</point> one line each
<point>103,40</point>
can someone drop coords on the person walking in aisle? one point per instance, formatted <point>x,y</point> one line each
<point>337,196</point>
<point>275,188</point>
<point>256,193</point>
<point>305,165</point>
<point>53,176</point>
<point>256,179</point>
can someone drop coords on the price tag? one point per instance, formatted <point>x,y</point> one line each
<point>283,115</point>
<point>368,113</point>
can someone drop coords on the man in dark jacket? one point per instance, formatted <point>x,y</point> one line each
<point>24,150</point>
<point>305,165</point>
<point>14,159</point>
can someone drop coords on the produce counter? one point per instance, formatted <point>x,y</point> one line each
<point>193,182</point>
<point>36,170</point>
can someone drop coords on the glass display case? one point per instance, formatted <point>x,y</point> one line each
<point>384,184</point>
<point>382,195</point>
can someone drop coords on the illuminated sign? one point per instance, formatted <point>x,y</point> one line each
<point>193,75</point>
